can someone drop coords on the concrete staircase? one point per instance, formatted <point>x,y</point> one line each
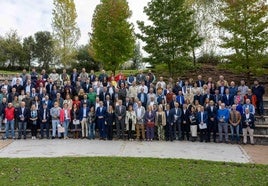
<point>261,130</point>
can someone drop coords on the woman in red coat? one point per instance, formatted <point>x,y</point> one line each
<point>65,118</point>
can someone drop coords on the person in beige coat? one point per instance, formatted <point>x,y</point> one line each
<point>130,122</point>
<point>160,122</point>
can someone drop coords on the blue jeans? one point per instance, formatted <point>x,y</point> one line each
<point>1,120</point>
<point>66,126</point>
<point>55,124</point>
<point>91,130</point>
<point>22,128</point>
<point>10,124</point>
<point>235,129</point>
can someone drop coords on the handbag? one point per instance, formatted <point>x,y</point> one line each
<point>61,129</point>
<point>76,121</point>
<point>150,124</point>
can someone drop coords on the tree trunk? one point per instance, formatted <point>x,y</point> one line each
<point>194,57</point>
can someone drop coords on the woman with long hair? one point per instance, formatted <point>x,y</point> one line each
<point>130,122</point>
<point>110,121</point>
<point>33,120</point>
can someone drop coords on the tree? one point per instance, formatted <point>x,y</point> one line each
<point>13,49</point>
<point>171,37</point>
<point>113,36</point>
<point>245,23</point>
<point>3,57</point>
<point>137,57</point>
<point>65,30</point>
<point>28,50</point>
<point>44,48</point>
<point>84,58</point>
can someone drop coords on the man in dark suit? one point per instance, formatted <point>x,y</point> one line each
<point>74,77</point>
<point>212,120</point>
<point>227,98</point>
<point>49,86</point>
<point>222,88</point>
<point>18,86</point>
<point>23,115</point>
<point>143,98</point>
<point>11,95</point>
<point>86,86</point>
<point>185,122</point>
<point>44,118</point>
<point>103,94</point>
<point>248,126</point>
<point>107,101</point>
<point>92,76</point>
<point>200,82</point>
<point>175,115</point>
<point>199,98</point>
<point>168,127</point>
<point>100,114</point>
<point>202,120</point>
<point>120,113</point>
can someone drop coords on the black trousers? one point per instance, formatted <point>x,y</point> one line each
<point>203,135</point>
<point>212,127</point>
<point>110,131</point>
<point>34,130</point>
<point>185,130</point>
<point>43,126</point>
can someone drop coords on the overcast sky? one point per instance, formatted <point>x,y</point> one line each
<point>31,16</point>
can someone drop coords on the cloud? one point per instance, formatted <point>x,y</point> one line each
<point>31,16</point>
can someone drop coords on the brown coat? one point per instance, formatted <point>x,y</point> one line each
<point>238,118</point>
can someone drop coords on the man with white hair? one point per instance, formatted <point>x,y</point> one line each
<point>248,126</point>
<point>223,118</point>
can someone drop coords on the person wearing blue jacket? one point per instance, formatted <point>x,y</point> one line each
<point>223,118</point>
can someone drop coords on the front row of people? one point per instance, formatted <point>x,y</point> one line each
<point>160,123</point>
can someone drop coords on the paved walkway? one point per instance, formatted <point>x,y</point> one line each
<point>78,148</point>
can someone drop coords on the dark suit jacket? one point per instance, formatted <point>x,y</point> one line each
<point>48,88</point>
<point>41,114</point>
<point>199,98</point>
<point>122,113</point>
<point>228,102</point>
<point>86,87</point>
<point>212,114</point>
<point>205,117</point>
<point>26,113</point>
<point>251,122</point>
<point>168,117</point>
<point>101,113</point>
<point>145,97</point>
<point>173,114</point>
<point>202,82</point>
<point>185,116</point>
<point>224,88</point>
<point>103,95</point>
<point>81,114</point>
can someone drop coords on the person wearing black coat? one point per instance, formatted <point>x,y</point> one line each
<point>44,119</point>
<point>22,118</point>
<point>212,120</point>
<point>110,121</point>
<point>248,126</point>
<point>185,122</point>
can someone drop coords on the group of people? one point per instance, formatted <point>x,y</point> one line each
<point>137,107</point>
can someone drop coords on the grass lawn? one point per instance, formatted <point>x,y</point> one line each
<point>128,171</point>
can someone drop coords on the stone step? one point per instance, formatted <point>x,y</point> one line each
<point>259,139</point>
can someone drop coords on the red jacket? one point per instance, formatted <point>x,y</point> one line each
<point>10,113</point>
<point>62,115</point>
